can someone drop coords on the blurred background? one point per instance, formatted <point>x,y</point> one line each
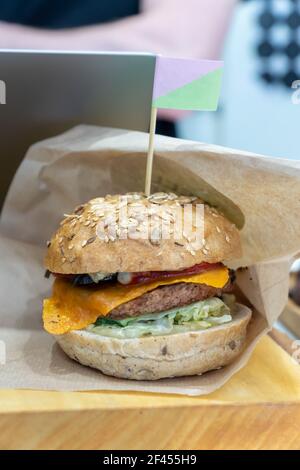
<point>258,39</point>
<point>258,110</point>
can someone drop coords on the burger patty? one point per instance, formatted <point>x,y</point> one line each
<point>167,297</point>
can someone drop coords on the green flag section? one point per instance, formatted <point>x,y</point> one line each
<point>200,94</point>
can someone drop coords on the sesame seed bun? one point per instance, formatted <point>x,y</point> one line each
<point>157,357</point>
<point>92,238</point>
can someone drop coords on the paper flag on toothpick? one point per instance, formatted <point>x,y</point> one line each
<point>187,84</point>
<point>182,84</point>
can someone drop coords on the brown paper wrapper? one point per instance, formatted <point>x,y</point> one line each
<point>261,195</point>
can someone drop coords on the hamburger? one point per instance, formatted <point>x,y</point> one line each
<point>141,287</point>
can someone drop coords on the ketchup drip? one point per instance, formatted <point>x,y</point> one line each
<point>149,276</point>
<point>139,277</point>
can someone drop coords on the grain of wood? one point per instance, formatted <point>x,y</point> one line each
<point>259,408</point>
<point>209,427</point>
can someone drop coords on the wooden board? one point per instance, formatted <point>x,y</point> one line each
<point>258,408</point>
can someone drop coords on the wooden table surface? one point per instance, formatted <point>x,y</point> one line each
<point>259,408</point>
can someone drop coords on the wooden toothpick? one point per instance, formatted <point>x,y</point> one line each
<point>150,151</point>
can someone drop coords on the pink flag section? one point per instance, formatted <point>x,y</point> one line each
<point>172,73</point>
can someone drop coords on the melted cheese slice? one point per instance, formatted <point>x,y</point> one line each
<point>73,308</point>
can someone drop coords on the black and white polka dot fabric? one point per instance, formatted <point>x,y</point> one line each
<point>278,46</point>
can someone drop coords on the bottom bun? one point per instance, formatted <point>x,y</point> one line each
<point>157,357</point>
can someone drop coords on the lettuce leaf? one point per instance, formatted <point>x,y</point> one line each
<point>197,316</point>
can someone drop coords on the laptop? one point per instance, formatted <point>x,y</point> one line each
<point>44,93</point>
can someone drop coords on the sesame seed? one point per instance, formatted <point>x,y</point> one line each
<point>48,243</point>
<point>83,243</point>
<point>227,238</point>
<point>154,242</point>
<point>79,209</point>
<point>218,229</point>
<point>63,259</point>
<point>156,201</point>
<point>87,223</point>
<point>71,246</point>
<point>157,197</point>
<point>91,240</point>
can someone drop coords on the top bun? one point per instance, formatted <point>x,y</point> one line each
<point>108,235</point>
